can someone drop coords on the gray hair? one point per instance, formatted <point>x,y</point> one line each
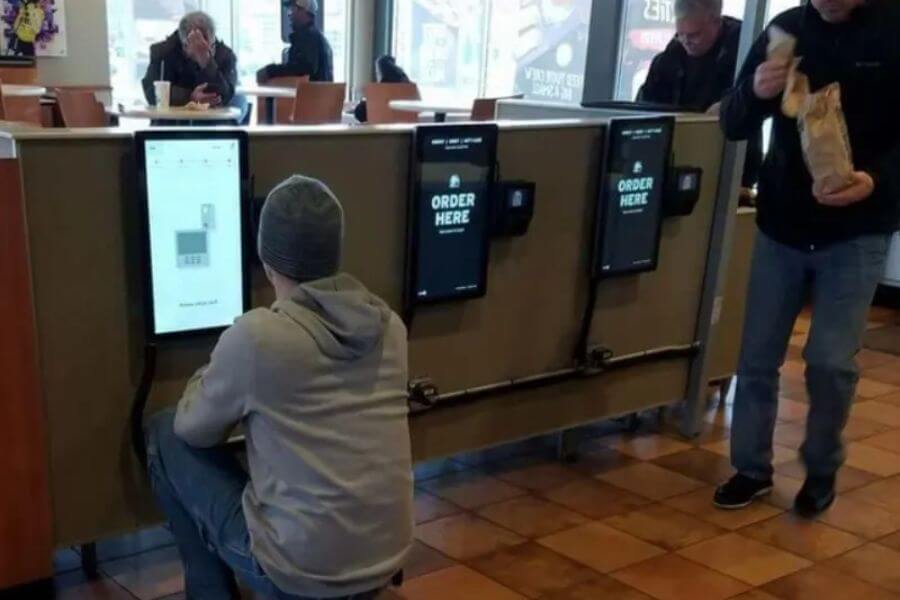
<point>692,8</point>
<point>196,20</point>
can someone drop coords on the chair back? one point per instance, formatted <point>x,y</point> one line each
<point>284,107</point>
<point>80,109</point>
<point>19,75</point>
<point>485,109</point>
<point>378,102</point>
<point>22,109</point>
<point>319,103</point>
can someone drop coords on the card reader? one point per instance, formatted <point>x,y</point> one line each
<point>682,191</point>
<point>513,208</point>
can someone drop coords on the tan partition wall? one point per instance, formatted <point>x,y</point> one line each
<point>82,224</point>
<point>726,338</point>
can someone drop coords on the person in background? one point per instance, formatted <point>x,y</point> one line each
<point>699,66</point>
<point>829,249</point>
<point>310,53</point>
<point>201,68</point>
<point>386,71</point>
<point>319,384</point>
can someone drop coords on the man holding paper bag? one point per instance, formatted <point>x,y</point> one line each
<point>828,74</point>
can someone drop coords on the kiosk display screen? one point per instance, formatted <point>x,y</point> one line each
<point>192,188</point>
<point>629,215</point>
<point>450,212</point>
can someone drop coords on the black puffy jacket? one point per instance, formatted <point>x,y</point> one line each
<point>863,55</point>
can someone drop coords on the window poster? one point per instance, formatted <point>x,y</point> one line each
<point>552,49</point>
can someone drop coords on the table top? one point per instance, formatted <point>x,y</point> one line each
<point>177,114</point>
<point>267,91</point>
<point>14,90</point>
<point>420,106</point>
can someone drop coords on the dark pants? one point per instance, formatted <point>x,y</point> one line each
<point>841,280</point>
<point>200,492</point>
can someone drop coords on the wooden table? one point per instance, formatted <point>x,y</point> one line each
<point>177,114</point>
<point>12,90</point>
<point>268,94</point>
<point>440,109</point>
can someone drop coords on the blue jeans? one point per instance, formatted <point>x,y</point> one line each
<point>200,492</point>
<point>840,280</point>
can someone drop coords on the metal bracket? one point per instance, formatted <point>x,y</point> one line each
<point>423,391</point>
<point>597,358</point>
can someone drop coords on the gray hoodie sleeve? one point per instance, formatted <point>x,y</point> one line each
<point>217,398</point>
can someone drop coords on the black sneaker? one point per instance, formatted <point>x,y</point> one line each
<point>815,497</point>
<point>740,491</point>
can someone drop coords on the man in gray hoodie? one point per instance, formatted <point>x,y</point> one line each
<point>319,383</point>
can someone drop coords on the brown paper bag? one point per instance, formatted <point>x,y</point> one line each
<point>825,141</point>
<point>796,91</point>
<point>781,44</point>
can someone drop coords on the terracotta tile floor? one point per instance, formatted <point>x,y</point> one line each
<point>630,520</point>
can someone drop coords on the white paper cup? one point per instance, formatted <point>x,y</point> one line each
<point>163,92</point>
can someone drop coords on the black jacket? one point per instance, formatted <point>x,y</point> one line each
<point>220,74</point>
<point>863,55</point>
<point>386,71</point>
<point>667,84</point>
<point>310,54</point>
<point>666,80</point>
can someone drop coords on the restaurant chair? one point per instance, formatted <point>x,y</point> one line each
<point>378,102</point>
<point>485,109</point>
<point>20,109</point>
<point>284,107</point>
<point>319,103</point>
<point>81,109</point>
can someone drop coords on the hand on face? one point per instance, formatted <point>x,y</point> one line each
<point>198,48</point>
<point>201,96</point>
<point>862,187</point>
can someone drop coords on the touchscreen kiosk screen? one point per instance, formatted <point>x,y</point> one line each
<point>451,212</point>
<point>195,233</point>
<point>630,212</point>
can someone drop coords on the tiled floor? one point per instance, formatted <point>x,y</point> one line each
<point>631,520</point>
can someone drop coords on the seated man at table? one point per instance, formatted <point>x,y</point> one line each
<point>319,383</point>
<point>310,53</point>
<point>200,68</point>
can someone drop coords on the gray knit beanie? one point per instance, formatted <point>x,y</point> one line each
<point>301,230</point>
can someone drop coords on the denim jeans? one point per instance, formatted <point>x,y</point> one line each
<point>840,280</point>
<point>200,492</point>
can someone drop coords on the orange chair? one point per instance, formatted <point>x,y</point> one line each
<point>80,109</point>
<point>319,103</point>
<point>20,109</point>
<point>284,107</point>
<point>20,75</point>
<point>24,110</point>
<point>485,109</point>
<point>378,102</point>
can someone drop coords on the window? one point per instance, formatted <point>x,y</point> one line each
<point>252,28</point>
<point>467,48</point>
